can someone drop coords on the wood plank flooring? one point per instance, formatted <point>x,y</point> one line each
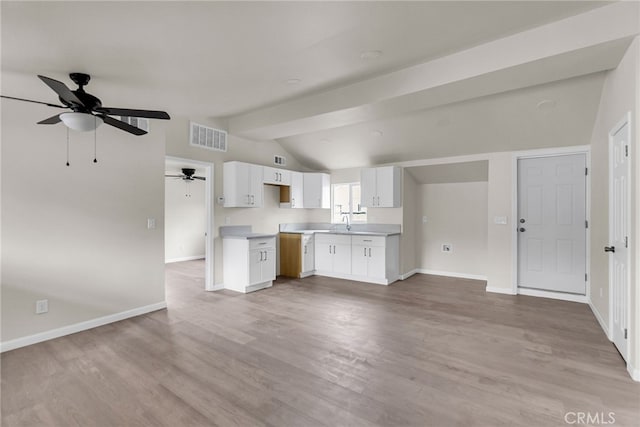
<point>428,351</point>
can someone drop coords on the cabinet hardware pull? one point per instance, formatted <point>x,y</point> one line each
<point>365,251</point>
<point>334,249</point>
<point>329,248</point>
<point>260,256</point>
<point>262,243</point>
<point>378,200</point>
<point>369,252</point>
<point>373,201</point>
<point>265,255</point>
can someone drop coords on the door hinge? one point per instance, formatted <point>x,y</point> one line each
<point>625,333</point>
<point>626,241</point>
<point>586,171</point>
<point>585,277</point>
<point>586,223</point>
<point>626,151</point>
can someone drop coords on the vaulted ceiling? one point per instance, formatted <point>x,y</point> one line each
<point>338,84</point>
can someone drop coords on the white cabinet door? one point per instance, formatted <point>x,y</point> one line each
<point>308,254</point>
<point>359,260</point>
<point>269,264</point>
<point>388,181</point>
<point>342,258</point>
<point>376,262</point>
<point>368,189</point>
<point>316,190</point>
<point>255,266</point>
<point>323,253</point>
<point>256,186</point>
<point>296,190</point>
<point>276,176</point>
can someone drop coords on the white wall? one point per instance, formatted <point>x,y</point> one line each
<point>77,235</point>
<point>185,219</point>
<point>457,215</point>
<point>619,96</point>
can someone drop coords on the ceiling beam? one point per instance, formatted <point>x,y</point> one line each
<point>579,45</point>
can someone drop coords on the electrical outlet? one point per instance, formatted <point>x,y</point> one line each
<point>151,223</point>
<point>447,248</point>
<point>42,306</point>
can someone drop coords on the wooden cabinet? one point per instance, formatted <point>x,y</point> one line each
<point>316,190</point>
<point>381,187</point>
<point>276,176</point>
<point>249,264</point>
<point>333,254</point>
<point>242,185</point>
<point>296,255</point>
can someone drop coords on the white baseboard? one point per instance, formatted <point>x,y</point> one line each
<point>79,327</point>
<point>217,287</point>
<point>506,291</point>
<point>600,320</point>
<point>186,258</point>
<point>553,295</point>
<point>405,276</point>
<point>451,274</point>
<point>635,373</point>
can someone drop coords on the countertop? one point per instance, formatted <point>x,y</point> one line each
<point>241,232</point>
<point>344,232</point>
<point>247,236</point>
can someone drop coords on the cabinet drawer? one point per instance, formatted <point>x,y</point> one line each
<point>262,243</point>
<point>368,240</point>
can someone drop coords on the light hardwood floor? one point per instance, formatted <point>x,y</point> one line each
<point>428,351</point>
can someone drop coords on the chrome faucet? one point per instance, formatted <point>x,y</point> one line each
<point>346,217</point>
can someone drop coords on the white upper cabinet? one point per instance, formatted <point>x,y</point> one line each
<point>381,187</point>
<point>316,190</point>
<point>276,176</point>
<point>296,190</point>
<point>242,185</point>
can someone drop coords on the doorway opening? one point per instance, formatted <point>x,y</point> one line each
<point>189,216</point>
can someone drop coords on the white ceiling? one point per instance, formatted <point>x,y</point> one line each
<point>232,59</point>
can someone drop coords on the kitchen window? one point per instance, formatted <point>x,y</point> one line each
<point>346,202</point>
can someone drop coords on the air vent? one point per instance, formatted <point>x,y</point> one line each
<point>209,138</point>
<point>279,160</point>
<point>137,122</point>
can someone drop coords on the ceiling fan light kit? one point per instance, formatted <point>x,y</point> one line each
<point>82,122</point>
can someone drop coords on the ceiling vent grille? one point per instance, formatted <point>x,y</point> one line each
<point>207,137</point>
<point>279,160</point>
<point>137,122</point>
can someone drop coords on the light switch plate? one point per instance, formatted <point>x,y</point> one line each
<point>501,220</point>
<point>447,248</point>
<point>151,223</point>
<point>42,306</point>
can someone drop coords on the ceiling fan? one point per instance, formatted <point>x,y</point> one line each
<point>87,112</point>
<point>187,175</point>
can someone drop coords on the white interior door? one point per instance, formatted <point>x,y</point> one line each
<point>618,236</point>
<point>552,223</point>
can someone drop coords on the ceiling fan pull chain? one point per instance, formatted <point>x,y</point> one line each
<point>67,146</point>
<point>95,139</point>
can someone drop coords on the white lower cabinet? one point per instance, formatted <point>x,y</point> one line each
<point>333,254</point>
<point>308,255</point>
<point>249,264</point>
<point>373,259</point>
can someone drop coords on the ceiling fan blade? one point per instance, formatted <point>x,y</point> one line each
<point>122,125</point>
<point>51,120</point>
<point>202,178</point>
<point>35,102</point>
<point>62,90</point>
<point>147,114</point>
<point>174,176</point>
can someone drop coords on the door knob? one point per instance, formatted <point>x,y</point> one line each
<point>521,220</point>
<point>522,229</point>
<point>609,248</point>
